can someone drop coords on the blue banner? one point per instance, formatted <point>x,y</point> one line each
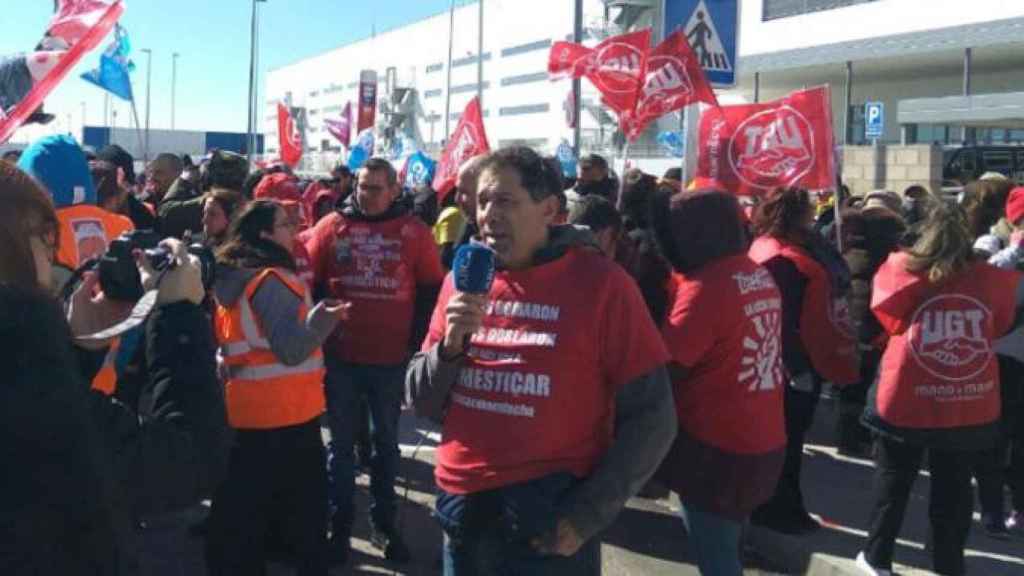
<point>113,74</point>
<point>362,151</point>
<point>672,142</point>
<point>419,170</point>
<point>566,159</point>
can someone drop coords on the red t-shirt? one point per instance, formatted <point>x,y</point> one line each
<point>303,267</point>
<point>537,392</point>
<point>377,266</point>
<point>725,326</point>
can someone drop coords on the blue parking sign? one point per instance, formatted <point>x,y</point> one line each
<point>713,29</point>
<point>874,120</point>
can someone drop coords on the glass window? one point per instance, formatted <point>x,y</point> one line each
<point>997,161</point>
<point>435,68</point>
<point>468,88</point>
<point>469,60</point>
<point>774,9</point>
<point>528,109</point>
<point>523,48</point>
<point>524,79</point>
<point>968,162</point>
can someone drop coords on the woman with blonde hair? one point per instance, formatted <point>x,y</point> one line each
<point>938,389</point>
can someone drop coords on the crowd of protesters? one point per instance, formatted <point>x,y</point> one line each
<point>642,334</point>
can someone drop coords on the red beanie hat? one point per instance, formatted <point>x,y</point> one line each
<point>279,186</point>
<point>1015,205</point>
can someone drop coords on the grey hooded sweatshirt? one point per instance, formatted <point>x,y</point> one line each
<point>277,307</point>
<point>645,418</point>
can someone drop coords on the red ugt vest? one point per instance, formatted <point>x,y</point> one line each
<point>725,325</point>
<point>537,393</point>
<point>377,266</point>
<point>825,327</point>
<point>939,370</point>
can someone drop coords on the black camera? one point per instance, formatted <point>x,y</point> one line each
<point>119,274</point>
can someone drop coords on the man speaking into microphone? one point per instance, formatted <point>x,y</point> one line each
<point>551,387</point>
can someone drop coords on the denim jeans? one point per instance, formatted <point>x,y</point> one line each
<point>346,387</point>
<point>489,533</point>
<point>714,542</point>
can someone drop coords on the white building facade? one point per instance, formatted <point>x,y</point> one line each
<point>945,70</point>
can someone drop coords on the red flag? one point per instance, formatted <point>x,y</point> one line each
<point>468,140</point>
<point>754,148</point>
<point>288,137</point>
<point>78,27</point>
<point>673,79</point>
<point>615,66</point>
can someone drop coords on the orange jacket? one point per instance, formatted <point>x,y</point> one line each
<point>105,380</point>
<point>261,392</point>
<point>86,231</point>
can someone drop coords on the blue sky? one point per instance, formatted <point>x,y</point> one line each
<point>212,37</point>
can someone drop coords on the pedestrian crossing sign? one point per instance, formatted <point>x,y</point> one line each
<point>712,27</point>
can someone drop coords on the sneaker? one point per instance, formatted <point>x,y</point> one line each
<point>996,528</point>
<point>1015,521</point>
<point>391,543</point>
<point>862,564</point>
<point>338,551</point>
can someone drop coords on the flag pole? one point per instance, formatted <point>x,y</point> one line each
<point>622,176</point>
<point>684,119</point>
<point>138,130</point>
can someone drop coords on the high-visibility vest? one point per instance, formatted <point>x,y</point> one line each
<point>105,380</point>
<point>86,231</point>
<point>260,391</point>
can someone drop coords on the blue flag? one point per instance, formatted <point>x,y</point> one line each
<point>418,171</point>
<point>672,142</point>
<point>566,159</point>
<point>113,74</point>
<point>362,151</point>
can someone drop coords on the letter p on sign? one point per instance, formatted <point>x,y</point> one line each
<point>874,120</point>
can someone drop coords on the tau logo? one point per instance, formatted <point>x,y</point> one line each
<point>618,67</point>
<point>948,338</point>
<point>668,78</point>
<point>465,144</point>
<point>773,148</point>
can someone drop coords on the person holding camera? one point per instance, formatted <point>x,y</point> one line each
<point>270,336</point>
<point>84,468</point>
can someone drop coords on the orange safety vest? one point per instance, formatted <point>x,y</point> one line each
<point>260,391</point>
<point>86,231</point>
<point>105,380</point>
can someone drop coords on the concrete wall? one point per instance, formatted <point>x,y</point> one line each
<point>867,168</point>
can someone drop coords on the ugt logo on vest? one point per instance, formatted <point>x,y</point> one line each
<point>948,339</point>
<point>773,148</point>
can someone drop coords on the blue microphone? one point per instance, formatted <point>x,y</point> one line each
<point>473,269</point>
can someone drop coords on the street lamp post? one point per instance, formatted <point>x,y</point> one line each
<point>254,35</point>
<point>480,55</point>
<point>448,82</point>
<point>149,80</point>
<point>174,86</point>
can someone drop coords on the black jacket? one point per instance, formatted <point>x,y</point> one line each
<point>870,238</point>
<point>140,216</point>
<point>181,209</point>
<point>81,468</point>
